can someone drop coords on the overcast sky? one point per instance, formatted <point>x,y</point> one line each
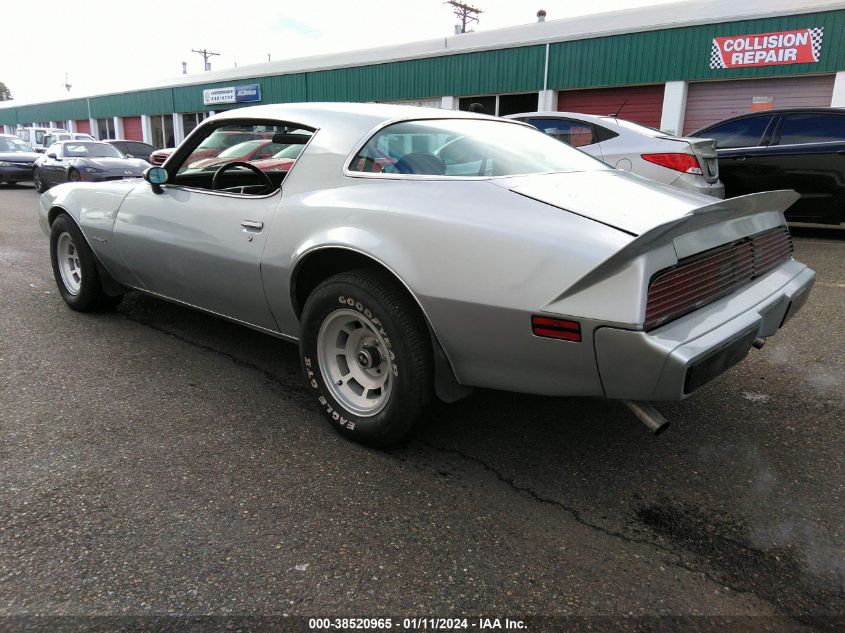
<point>112,45</point>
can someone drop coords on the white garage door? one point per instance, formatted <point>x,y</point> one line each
<point>712,101</point>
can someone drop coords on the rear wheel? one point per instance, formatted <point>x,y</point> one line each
<point>75,269</point>
<point>366,355</point>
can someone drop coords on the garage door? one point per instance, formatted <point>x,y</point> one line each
<point>643,104</point>
<point>83,125</point>
<point>132,128</point>
<point>712,101</point>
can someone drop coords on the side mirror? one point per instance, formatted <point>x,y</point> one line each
<point>156,176</point>
<point>51,155</point>
<point>40,150</point>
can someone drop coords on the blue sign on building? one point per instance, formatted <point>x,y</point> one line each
<point>251,92</point>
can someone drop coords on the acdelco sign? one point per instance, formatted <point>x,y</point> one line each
<point>801,46</point>
<point>237,94</point>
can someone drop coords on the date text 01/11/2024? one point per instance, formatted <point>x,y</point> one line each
<point>416,624</point>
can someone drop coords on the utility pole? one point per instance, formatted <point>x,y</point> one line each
<point>465,13</point>
<point>67,84</point>
<point>205,57</point>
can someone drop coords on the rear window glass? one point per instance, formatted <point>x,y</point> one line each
<point>572,133</point>
<point>812,128</point>
<point>467,148</point>
<point>747,132</point>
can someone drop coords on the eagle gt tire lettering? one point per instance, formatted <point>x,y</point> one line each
<point>366,356</point>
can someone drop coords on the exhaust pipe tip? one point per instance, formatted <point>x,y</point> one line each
<point>758,343</point>
<point>648,415</point>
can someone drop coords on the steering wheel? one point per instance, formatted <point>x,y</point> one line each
<point>267,184</point>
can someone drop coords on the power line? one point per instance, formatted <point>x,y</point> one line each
<point>465,13</point>
<point>205,57</point>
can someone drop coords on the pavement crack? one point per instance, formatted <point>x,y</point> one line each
<point>675,554</point>
<point>298,391</point>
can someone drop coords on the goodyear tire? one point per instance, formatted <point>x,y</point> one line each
<point>75,269</point>
<point>366,355</point>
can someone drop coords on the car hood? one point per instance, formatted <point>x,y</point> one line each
<point>115,164</point>
<point>20,157</point>
<point>624,201</point>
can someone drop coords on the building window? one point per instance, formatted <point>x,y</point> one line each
<point>190,120</point>
<point>501,105</point>
<point>105,128</point>
<point>162,128</point>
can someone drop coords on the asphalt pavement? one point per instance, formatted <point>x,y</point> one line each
<point>159,461</point>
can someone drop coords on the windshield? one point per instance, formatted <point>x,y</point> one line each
<point>222,139</point>
<point>91,150</point>
<point>13,145</point>
<point>468,147</point>
<point>242,149</point>
<point>636,127</point>
<point>291,151</point>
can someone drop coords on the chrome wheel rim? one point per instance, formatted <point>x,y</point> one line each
<point>67,255</point>
<point>73,176</point>
<point>36,177</point>
<point>355,362</point>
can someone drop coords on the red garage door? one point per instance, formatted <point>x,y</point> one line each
<point>132,128</point>
<point>712,101</point>
<point>83,125</point>
<point>643,104</point>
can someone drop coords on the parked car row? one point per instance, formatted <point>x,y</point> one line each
<point>796,148</point>
<point>801,149</point>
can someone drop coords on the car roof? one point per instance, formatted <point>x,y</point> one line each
<point>361,117</point>
<point>795,110</point>
<point>83,140</point>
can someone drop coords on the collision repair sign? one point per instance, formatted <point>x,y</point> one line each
<point>802,46</point>
<point>236,94</point>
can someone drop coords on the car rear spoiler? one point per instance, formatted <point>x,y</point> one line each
<point>672,231</point>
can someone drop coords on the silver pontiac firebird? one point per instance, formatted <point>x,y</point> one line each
<point>415,252</point>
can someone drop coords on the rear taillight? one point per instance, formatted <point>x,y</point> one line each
<point>686,163</point>
<point>556,328</point>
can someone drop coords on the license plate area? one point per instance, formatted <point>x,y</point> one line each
<point>718,361</point>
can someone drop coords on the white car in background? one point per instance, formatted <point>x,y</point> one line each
<point>689,163</point>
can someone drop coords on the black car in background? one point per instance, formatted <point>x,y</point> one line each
<point>16,160</point>
<point>133,149</point>
<point>797,148</point>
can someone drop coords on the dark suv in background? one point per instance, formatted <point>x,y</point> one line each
<point>797,148</point>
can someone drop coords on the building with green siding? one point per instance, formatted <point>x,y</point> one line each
<point>677,67</point>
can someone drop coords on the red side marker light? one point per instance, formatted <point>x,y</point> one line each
<point>556,328</point>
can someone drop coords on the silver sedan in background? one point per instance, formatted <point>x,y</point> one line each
<point>84,161</point>
<point>688,163</point>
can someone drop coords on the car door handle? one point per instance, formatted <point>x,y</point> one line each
<point>250,224</point>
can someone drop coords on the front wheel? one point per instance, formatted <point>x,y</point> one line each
<point>366,355</point>
<point>75,270</point>
<point>38,181</point>
<point>73,176</point>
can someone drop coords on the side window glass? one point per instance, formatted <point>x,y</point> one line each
<point>812,128</point>
<point>574,133</point>
<point>238,143</point>
<point>25,135</point>
<point>747,132</point>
